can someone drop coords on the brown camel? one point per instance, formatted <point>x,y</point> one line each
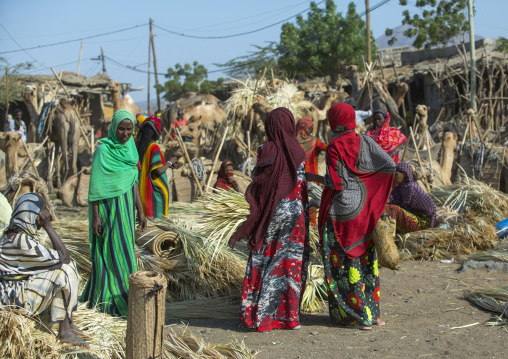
<point>402,89</point>
<point>354,78</point>
<point>9,143</point>
<point>448,145</point>
<point>119,103</point>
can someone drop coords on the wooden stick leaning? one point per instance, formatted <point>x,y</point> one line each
<point>187,158</point>
<point>7,85</point>
<point>27,161</point>
<point>215,159</point>
<point>418,157</point>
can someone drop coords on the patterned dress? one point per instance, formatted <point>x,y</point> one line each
<point>154,192</point>
<point>353,284</point>
<point>112,255</point>
<point>275,277</point>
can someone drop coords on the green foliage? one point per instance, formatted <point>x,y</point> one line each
<point>187,78</point>
<point>502,44</point>
<point>324,43</point>
<point>15,86</point>
<point>254,62</point>
<point>436,24</point>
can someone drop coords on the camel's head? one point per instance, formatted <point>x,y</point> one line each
<point>8,139</point>
<point>470,112</point>
<point>30,92</point>
<point>422,110</point>
<point>115,86</point>
<point>173,149</point>
<point>261,109</point>
<point>64,103</point>
<point>449,140</point>
<point>402,88</point>
<point>192,131</point>
<point>351,69</point>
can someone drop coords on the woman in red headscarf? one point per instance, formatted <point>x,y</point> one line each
<point>310,144</point>
<point>225,178</point>
<point>389,138</point>
<point>153,183</point>
<point>276,230</point>
<point>358,180</point>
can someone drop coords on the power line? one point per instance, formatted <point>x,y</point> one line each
<point>234,35</point>
<point>13,39</point>
<point>69,41</point>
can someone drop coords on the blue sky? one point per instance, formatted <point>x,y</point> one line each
<point>33,22</point>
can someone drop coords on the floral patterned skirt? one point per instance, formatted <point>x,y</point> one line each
<point>275,277</point>
<point>353,284</point>
<point>406,221</point>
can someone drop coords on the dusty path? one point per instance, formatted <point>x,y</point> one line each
<point>421,303</point>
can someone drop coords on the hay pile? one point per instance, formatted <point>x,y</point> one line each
<point>470,210</point>
<point>493,299</point>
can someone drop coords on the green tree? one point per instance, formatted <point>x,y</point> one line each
<point>187,78</point>
<point>324,43</point>
<point>436,25</point>
<point>255,61</point>
<point>502,45</point>
<point>15,85</point>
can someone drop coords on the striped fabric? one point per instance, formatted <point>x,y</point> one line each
<point>312,151</point>
<point>112,255</point>
<point>54,289</point>
<point>22,256</point>
<point>154,192</point>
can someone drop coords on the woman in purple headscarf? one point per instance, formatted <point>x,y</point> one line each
<point>412,208</point>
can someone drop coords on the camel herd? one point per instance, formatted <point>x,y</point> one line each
<point>435,147</point>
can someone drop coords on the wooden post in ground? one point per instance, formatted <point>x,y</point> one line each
<point>80,53</point>
<point>216,158</point>
<point>146,315</point>
<point>420,163</point>
<point>155,68</point>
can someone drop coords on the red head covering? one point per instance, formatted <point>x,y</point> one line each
<point>275,176</point>
<point>223,178</point>
<point>304,134</point>
<point>358,181</point>
<point>157,123</point>
<point>389,138</point>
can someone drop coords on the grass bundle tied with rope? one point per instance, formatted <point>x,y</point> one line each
<point>493,299</point>
<point>471,210</point>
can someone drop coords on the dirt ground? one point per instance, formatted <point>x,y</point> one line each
<point>422,303</point>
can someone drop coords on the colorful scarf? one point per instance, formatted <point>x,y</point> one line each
<point>411,197</point>
<point>310,144</point>
<point>114,170</point>
<point>24,214</point>
<point>153,191</point>
<point>389,138</point>
<point>223,178</point>
<point>359,176</point>
<point>275,176</point>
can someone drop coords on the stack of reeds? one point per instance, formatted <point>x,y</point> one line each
<point>498,254</point>
<point>493,299</point>
<point>470,209</point>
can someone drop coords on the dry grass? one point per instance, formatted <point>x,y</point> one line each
<point>493,299</point>
<point>471,209</point>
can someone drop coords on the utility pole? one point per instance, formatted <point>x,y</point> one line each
<point>80,52</point>
<point>473,55</point>
<point>155,68</point>
<point>149,59</point>
<point>103,61</point>
<point>367,11</point>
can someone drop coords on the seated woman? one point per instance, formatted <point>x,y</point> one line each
<point>34,278</point>
<point>389,138</point>
<point>225,178</point>
<point>412,208</point>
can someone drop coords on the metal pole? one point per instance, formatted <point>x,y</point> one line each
<point>149,59</point>
<point>80,52</point>
<point>367,11</point>
<point>473,56</point>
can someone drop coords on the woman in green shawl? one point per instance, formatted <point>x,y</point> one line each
<point>112,195</point>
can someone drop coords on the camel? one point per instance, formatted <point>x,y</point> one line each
<point>402,89</point>
<point>125,103</point>
<point>422,133</point>
<point>353,76</point>
<point>326,101</point>
<point>9,143</point>
<point>448,145</point>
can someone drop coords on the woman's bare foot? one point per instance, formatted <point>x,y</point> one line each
<point>75,330</point>
<point>380,323</point>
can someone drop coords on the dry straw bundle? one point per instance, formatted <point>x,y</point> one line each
<point>471,210</point>
<point>493,299</point>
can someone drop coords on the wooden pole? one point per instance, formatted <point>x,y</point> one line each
<point>367,35</point>
<point>216,158</point>
<point>103,61</point>
<point>146,315</point>
<point>149,60</point>
<point>381,65</point>
<point>473,55</point>
<point>420,163</point>
<point>155,68</point>
<point>471,144</point>
<point>7,86</point>
<point>187,158</point>
<point>80,53</point>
